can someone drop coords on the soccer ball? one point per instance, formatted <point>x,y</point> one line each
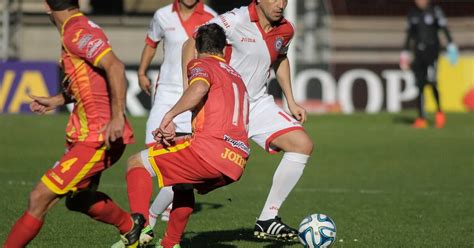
<point>317,230</point>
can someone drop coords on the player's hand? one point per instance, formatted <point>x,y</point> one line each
<point>145,84</point>
<point>113,130</point>
<point>405,60</point>
<point>41,105</point>
<point>453,53</point>
<point>298,112</point>
<point>166,132</point>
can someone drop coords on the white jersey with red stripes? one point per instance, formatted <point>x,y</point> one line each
<point>252,50</point>
<point>168,26</point>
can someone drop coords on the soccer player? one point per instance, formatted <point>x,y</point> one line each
<point>172,24</point>
<point>259,37</point>
<point>214,156</point>
<point>96,134</point>
<point>424,23</point>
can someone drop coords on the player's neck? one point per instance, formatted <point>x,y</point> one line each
<point>205,55</point>
<point>62,16</point>
<point>185,11</point>
<point>266,24</point>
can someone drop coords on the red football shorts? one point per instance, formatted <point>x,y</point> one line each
<point>81,166</point>
<point>179,164</point>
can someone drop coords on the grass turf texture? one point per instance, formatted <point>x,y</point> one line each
<point>384,183</point>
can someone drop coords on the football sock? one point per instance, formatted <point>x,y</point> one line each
<point>105,210</point>
<point>436,96</point>
<point>284,180</point>
<point>139,189</point>
<point>25,229</point>
<point>161,202</point>
<point>183,205</point>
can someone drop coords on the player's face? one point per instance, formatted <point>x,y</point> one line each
<point>273,9</point>
<point>422,4</point>
<point>189,3</point>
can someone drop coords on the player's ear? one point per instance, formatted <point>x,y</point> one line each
<point>47,9</point>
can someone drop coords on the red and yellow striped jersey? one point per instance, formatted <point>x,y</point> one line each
<point>83,45</point>
<point>220,121</point>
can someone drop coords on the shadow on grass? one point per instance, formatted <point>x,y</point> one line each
<point>200,206</point>
<point>403,120</point>
<point>224,238</point>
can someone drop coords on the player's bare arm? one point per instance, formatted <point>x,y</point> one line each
<point>41,105</point>
<point>282,71</point>
<point>189,53</point>
<point>115,71</point>
<point>148,54</point>
<point>190,99</point>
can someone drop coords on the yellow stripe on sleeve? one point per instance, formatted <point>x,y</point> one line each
<point>101,55</point>
<point>199,78</point>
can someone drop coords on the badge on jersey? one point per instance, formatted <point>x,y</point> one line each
<point>278,44</point>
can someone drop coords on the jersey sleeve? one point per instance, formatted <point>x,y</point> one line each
<point>197,70</point>
<point>155,31</point>
<point>409,30</point>
<point>440,18</point>
<point>228,21</point>
<point>289,37</point>
<point>442,23</point>
<point>89,43</point>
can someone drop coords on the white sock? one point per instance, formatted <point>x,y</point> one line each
<point>285,178</point>
<point>161,202</point>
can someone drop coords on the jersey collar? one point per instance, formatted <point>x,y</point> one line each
<point>199,7</point>
<point>67,21</point>
<point>254,16</point>
<point>218,58</point>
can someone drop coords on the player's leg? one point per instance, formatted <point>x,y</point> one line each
<point>183,206</point>
<point>420,70</point>
<point>95,204</point>
<point>273,129</point>
<point>440,119</point>
<point>139,185</point>
<point>26,228</point>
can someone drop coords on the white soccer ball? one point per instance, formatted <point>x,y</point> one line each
<point>317,230</point>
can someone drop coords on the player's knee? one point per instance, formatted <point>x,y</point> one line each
<point>134,161</point>
<point>78,202</point>
<point>303,144</point>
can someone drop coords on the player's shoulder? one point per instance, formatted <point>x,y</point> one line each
<point>164,11</point>
<point>287,27</point>
<point>437,9</point>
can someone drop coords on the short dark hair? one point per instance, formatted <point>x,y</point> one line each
<point>59,5</point>
<point>211,39</point>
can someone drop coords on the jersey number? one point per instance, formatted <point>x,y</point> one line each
<point>66,165</point>
<point>235,116</point>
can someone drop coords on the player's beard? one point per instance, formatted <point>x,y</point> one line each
<point>190,6</point>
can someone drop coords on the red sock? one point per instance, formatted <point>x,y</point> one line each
<point>183,205</point>
<point>105,210</point>
<point>25,229</point>
<point>139,189</point>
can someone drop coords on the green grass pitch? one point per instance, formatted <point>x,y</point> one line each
<point>384,183</point>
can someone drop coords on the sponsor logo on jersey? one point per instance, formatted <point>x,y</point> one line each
<point>56,178</point>
<point>198,72</point>
<point>93,47</point>
<point>429,19</point>
<point>278,44</point>
<point>234,157</point>
<point>224,21</point>
<point>237,144</point>
<point>229,69</point>
<point>83,41</point>
<point>77,35</point>
<point>249,40</point>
